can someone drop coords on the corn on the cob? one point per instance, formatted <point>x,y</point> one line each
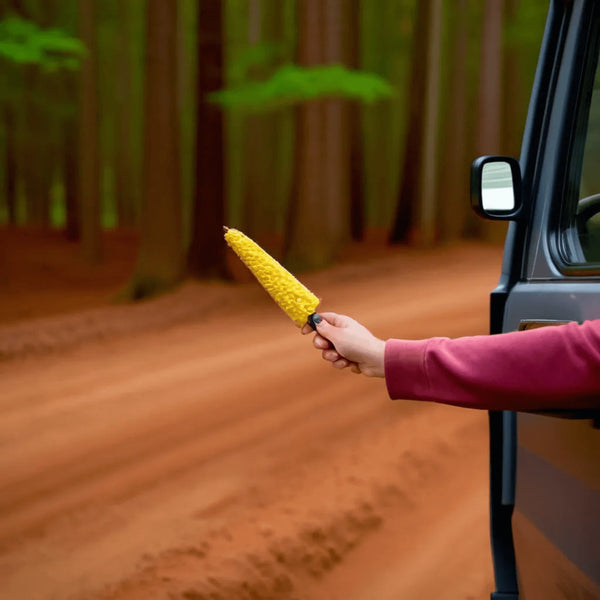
<point>294,298</point>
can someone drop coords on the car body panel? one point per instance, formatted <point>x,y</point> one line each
<point>545,466</point>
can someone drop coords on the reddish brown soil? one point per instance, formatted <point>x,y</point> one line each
<point>197,447</point>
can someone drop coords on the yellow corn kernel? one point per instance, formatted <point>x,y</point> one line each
<point>295,299</point>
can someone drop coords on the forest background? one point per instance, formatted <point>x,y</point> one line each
<point>305,123</point>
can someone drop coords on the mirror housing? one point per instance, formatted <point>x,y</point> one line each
<point>496,188</point>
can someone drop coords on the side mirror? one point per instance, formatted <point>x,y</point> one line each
<point>496,187</point>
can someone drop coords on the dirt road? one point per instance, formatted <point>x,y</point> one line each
<point>216,456</point>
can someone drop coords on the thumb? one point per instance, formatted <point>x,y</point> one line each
<point>327,330</point>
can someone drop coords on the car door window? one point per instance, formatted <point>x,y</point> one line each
<point>588,206</point>
<point>579,230</point>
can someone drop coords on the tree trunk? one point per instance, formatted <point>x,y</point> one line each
<point>40,127</point>
<point>454,201</point>
<point>307,226</point>
<point>160,255</point>
<point>71,166</point>
<point>37,160</point>
<point>410,179</point>
<point>319,215</point>
<point>124,169</point>
<point>337,129</point>
<point>490,97</point>
<point>13,143</point>
<point>206,257</point>
<point>256,154</point>
<point>426,221</point>
<point>357,195</point>
<point>10,164</point>
<point>490,92</point>
<point>89,166</point>
<point>512,97</point>
<point>262,169</point>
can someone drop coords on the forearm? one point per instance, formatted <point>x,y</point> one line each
<point>547,368</point>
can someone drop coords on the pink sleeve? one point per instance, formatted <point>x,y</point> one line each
<point>547,368</point>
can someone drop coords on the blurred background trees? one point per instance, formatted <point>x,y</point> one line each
<point>305,123</point>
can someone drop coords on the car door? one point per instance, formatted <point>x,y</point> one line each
<point>545,467</point>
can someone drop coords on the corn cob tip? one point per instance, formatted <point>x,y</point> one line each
<point>225,229</point>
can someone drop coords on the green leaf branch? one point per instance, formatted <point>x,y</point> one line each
<point>24,42</point>
<point>293,84</point>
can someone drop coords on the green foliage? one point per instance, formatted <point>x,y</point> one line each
<point>292,84</point>
<point>23,42</point>
<point>260,55</point>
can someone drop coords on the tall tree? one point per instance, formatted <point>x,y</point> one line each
<point>38,159</point>
<point>307,220</point>
<point>490,90</point>
<point>426,217</point>
<point>489,118</point>
<point>10,138</point>
<point>206,256</point>
<point>262,162</point>
<point>513,98</point>
<point>256,138</point>
<point>318,218</point>
<point>160,261</point>
<point>337,129</point>
<point>39,127</point>
<point>125,176</point>
<point>10,142</point>
<point>357,193</point>
<point>187,60</point>
<point>10,163</point>
<point>454,169</point>
<point>69,87</point>
<point>72,162</point>
<point>89,166</point>
<point>410,178</point>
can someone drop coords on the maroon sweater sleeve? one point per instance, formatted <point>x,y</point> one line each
<point>554,367</point>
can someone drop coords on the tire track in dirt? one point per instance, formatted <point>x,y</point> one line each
<point>312,553</point>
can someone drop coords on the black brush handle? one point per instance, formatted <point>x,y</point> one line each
<point>314,319</point>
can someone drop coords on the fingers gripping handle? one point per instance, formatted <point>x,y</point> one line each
<point>313,320</point>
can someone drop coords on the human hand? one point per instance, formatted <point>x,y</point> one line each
<point>346,343</point>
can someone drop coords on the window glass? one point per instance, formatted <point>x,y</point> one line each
<point>588,207</point>
<point>580,231</point>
